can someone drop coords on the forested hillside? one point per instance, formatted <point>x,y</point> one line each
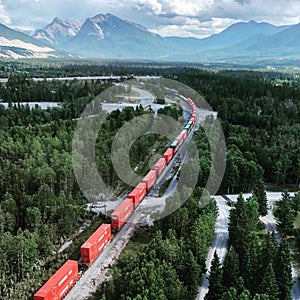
<point>41,204</point>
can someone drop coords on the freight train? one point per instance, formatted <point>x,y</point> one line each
<point>63,280</point>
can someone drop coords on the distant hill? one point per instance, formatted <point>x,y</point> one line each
<point>15,44</point>
<point>107,36</point>
<point>234,34</point>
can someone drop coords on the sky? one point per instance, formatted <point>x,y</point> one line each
<point>197,18</point>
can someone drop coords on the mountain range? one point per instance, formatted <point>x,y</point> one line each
<point>107,36</point>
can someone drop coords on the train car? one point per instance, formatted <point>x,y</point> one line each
<point>179,139</point>
<point>60,283</point>
<point>160,166</point>
<point>150,179</point>
<point>184,134</point>
<point>121,214</point>
<point>190,101</point>
<point>138,193</point>
<point>189,126</point>
<point>95,244</point>
<point>175,146</point>
<point>168,155</point>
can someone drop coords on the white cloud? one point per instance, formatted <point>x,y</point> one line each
<point>194,28</point>
<point>4,16</point>
<point>167,17</point>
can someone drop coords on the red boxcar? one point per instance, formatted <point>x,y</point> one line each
<point>138,193</point>
<point>60,283</point>
<point>160,166</point>
<point>95,244</point>
<point>149,179</point>
<point>121,214</point>
<point>168,155</point>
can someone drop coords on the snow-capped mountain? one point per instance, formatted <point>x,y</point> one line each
<point>15,44</point>
<point>111,37</point>
<point>59,31</point>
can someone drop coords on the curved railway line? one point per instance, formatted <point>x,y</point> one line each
<point>102,247</point>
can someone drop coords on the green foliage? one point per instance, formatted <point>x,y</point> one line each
<point>264,267</point>
<point>215,279</point>
<point>261,196</point>
<point>231,272</point>
<point>284,214</point>
<point>268,284</point>
<point>283,270</point>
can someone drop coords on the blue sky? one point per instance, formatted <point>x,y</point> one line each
<point>197,18</point>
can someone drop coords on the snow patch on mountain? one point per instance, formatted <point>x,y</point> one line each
<point>20,44</point>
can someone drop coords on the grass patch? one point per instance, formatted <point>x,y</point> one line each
<point>164,187</point>
<point>142,236</point>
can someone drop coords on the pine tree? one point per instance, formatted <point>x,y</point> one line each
<point>215,279</point>
<point>245,295</point>
<point>231,272</point>
<point>268,284</point>
<point>283,271</point>
<point>285,214</point>
<point>230,295</point>
<point>261,196</point>
<point>267,254</point>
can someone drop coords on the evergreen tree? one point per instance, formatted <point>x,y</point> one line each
<point>261,196</point>
<point>245,295</point>
<point>267,254</point>
<point>215,279</point>
<point>284,214</point>
<point>284,271</point>
<point>230,295</point>
<point>231,272</point>
<point>268,284</point>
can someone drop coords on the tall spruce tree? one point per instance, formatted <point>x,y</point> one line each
<point>268,285</point>
<point>284,271</point>
<point>267,254</point>
<point>285,214</point>
<point>260,193</point>
<point>231,272</point>
<point>215,280</point>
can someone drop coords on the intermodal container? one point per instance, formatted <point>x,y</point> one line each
<point>168,155</point>
<point>160,166</point>
<point>138,193</point>
<point>121,214</point>
<point>95,244</point>
<point>188,126</point>
<point>184,134</point>
<point>175,146</point>
<point>179,139</point>
<point>149,179</point>
<point>60,283</point>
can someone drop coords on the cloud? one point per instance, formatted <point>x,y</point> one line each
<point>192,27</point>
<point>167,17</point>
<point>4,16</point>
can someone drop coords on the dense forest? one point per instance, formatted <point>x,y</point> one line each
<point>41,204</point>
